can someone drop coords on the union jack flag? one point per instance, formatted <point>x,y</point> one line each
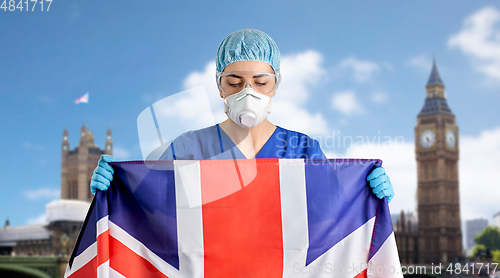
<point>237,218</point>
<point>82,99</point>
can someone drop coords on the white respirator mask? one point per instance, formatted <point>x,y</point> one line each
<point>247,108</point>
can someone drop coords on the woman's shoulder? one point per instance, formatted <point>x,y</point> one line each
<point>292,133</point>
<point>193,144</point>
<point>198,133</point>
<point>298,144</point>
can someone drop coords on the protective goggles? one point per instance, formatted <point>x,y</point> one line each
<point>234,82</point>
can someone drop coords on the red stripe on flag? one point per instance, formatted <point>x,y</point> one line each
<point>103,247</point>
<point>362,274</point>
<point>89,270</point>
<point>242,232</point>
<point>130,264</point>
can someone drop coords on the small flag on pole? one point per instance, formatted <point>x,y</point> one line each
<point>82,99</point>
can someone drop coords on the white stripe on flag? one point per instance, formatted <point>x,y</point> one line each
<point>102,225</point>
<point>189,218</point>
<point>103,270</point>
<point>293,214</point>
<point>82,259</point>
<point>115,274</point>
<point>385,263</point>
<point>188,181</point>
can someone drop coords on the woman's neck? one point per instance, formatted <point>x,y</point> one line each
<point>249,140</point>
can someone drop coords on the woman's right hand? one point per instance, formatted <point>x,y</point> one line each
<point>103,174</point>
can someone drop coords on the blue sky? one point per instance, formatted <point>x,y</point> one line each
<point>354,67</point>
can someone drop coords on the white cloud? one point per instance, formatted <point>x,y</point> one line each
<point>120,153</point>
<point>42,193</point>
<point>41,219</point>
<point>379,97</point>
<point>478,168</point>
<point>45,99</point>
<point>400,164</point>
<point>346,103</point>
<point>207,78</point>
<point>299,73</point>
<point>420,62</point>
<point>294,117</point>
<point>362,70</point>
<point>150,98</point>
<point>32,146</point>
<point>197,106</point>
<point>480,39</point>
<point>175,115</point>
<point>479,164</point>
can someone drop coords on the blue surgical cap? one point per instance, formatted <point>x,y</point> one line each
<point>248,45</point>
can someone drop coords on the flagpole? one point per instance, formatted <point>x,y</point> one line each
<point>87,108</point>
<point>87,114</point>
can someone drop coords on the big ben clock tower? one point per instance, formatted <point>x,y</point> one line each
<point>436,147</point>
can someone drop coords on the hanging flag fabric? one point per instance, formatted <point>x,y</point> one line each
<point>237,218</point>
<point>83,99</point>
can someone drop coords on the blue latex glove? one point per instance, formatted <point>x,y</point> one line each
<point>380,183</point>
<point>103,174</point>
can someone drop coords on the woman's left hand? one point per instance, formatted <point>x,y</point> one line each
<point>380,184</point>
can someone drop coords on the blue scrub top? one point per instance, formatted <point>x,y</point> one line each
<point>212,143</point>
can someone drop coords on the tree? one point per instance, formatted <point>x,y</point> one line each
<point>489,237</point>
<point>481,252</point>
<point>496,256</point>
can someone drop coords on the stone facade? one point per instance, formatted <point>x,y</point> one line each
<point>77,165</point>
<point>32,240</point>
<point>434,235</point>
<point>65,217</point>
<point>437,154</point>
<point>406,231</point>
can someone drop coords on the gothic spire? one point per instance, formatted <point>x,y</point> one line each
<point>434,78</point>
<point>435,101</point>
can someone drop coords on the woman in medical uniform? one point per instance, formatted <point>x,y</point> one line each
<point>248,74</point>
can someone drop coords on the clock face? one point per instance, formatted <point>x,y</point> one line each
<point>450,139</point>
<point>427,138</point>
